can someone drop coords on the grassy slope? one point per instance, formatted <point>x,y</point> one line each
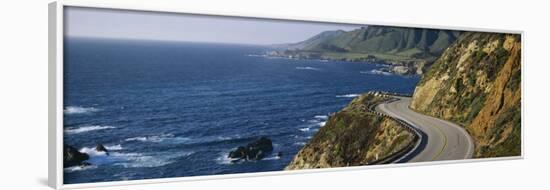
<point>391,43</point>
<point>352,137</point>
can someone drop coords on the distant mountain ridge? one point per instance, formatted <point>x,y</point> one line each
<point>313,41</point>
<point>412,47</point>
<point>380,39</point>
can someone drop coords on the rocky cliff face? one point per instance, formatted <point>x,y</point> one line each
<point>477,83</point>
<point>352,137</point>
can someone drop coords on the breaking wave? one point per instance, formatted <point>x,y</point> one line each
<point>160,138</point>
<point>76,130</point>
<point>79,110</point>
<point>125,159</point>
<point>308,68</point>
<point>348,96</point>
<point>321,117</point>
<point>376,72</point>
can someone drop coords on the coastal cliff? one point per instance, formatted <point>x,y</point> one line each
<point>477,83</point>
<point>406,50</point>
<point>352,137</point>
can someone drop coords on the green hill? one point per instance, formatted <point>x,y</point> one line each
<point>411,47</point>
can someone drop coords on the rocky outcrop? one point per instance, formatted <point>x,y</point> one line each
<point>477,83</point>
<point>256,150</point>
<point>101,148</point>
<point>352,137</point>
<point>72,157</point>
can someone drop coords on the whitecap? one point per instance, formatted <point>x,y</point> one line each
<point>348,96</point>
<point>75,130</point>
<point>128,159</point>
<point>322,124</point>
<point>142,139</point>
<point>376,72</point>
<point>135,160</point>
<point>79,110</point>
<point>255,55</point>
<point>321,117</point>
<point>223,158</point>
<point>272,158</point>
<point>308,68</point>
<point>300,143</point>
<point>160,138</point>
<point>304,129</point>
<point>79,168</point>
<point>113,147</point>
<point>223,138</point>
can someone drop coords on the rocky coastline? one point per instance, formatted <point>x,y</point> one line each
<point>400,67</point>
<point>355,136</point>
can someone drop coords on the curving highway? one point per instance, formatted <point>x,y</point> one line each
<point>440,139</point>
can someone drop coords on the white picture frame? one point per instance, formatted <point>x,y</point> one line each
<point>55,91</point>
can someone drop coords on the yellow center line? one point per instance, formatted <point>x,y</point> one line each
<point>432,125</point>
<point>444,144</point>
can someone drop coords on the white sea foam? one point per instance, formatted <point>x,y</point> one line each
<point>113,147</point>
<point>127,159</point>
<point>272,158</point>
<point>79,168</point>
<point>376,72</point>
<point>134,160</point>
<point>142,139</point>
<point>224,159</point>
<point>226,137</point>
<point>321,117</point>
<point>320,120</point>
<point>308,68</point>
<point>304,129</point>
<point>300,143</point>
<point>160,138</point>
<point>82,129</point>
<point>348,96</point>
<point>223,138</point>
<point>79,110</point>
<point>256,55</point>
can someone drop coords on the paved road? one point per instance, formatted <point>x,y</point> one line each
<point>441,140</point>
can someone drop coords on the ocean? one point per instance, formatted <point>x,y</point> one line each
<point>176,109</point>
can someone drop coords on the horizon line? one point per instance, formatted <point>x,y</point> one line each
<point>165,40</point>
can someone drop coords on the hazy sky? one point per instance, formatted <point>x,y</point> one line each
<point>106,23</point>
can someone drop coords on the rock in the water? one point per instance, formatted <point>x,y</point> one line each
<point>101,148</point>
<point>256,150</point>
<point>72,157</point>
<point>280,154</point>
<point>263,144</point>
<point>259,155</point>
<point>240,152</point>
<point>84,164</point>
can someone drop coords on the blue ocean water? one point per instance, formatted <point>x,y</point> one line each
<point>167,109</point>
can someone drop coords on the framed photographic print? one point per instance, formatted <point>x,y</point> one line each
<point>145,96</point>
